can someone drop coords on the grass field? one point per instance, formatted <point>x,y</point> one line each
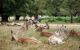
<point>72,43</point>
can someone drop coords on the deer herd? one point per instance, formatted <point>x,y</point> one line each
<point>56,37</point>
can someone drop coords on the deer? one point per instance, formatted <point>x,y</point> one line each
<point>46,26</point>
<point>74,33</point>
<point>55,40</point>
<point>58,36</point>
<point>47,34</point>
<point>24,40</point>
<point>24,26</point>
<point>36,26</point>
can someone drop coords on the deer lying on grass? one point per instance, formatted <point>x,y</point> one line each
<point>58,36</point>
<point>44,27</point>
<point>74,33</point>
<point>55,39</point>
<point>38,28</point>
<point>47,34</point>
<point>24,40</point>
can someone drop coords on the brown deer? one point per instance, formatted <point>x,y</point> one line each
<point>24,40</point>
<point>47,34</point>
<point>74,33</point>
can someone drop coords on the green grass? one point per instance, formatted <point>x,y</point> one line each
<point>73,43</point>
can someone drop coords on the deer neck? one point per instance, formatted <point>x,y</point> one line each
<point>15,37</point>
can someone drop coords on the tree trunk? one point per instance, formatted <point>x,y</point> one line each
<point>71,19</point>
<point>4,18</point>
<point>65,19</point>
<point>17,17</point>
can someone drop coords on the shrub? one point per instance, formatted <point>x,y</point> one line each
<point>77,19</point>
<point>59,19</point>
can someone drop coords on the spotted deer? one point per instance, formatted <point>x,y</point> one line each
<point>59,36</point>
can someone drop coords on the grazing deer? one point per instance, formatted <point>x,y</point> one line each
<point>24,40</point>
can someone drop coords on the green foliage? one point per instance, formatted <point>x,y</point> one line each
<point>53,6</point>
<point>59,19</point>
<point>12,7</point>
<point>35,7</point>
<point>40,7</point>
<point>71,5</point>
<point>77,19</point>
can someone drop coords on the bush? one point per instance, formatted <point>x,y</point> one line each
<point>77,19</point>
<point>51,20</point>
<point>59,19</point>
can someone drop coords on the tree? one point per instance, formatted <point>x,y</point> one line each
<point>36,7</point>
<point>12,7</point>
<point>3,11</point>
<point>40,7</point>
<point>72,6</point>
<point>53,7</point>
